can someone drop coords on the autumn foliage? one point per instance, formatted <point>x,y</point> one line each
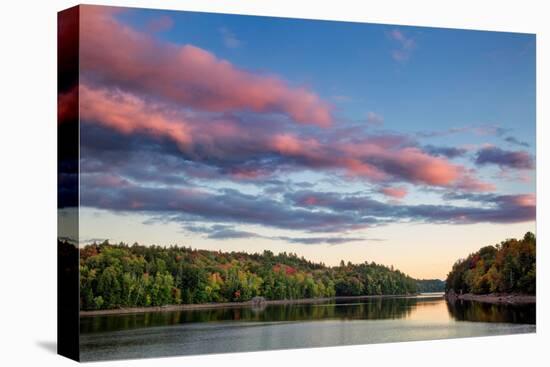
<point>114,276</point>
<point>509,267</point>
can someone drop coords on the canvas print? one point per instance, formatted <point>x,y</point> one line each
<point>233,183</point>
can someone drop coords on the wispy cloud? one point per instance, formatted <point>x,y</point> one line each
<point>160,24</point>
<point>480,130</point>
<point>374,118</point>
<point>449,152</point>
<point>229,38</point>
<point>228,232</point>
<point>406,45</point>
<point>504,158</point>
<point>515,141</point>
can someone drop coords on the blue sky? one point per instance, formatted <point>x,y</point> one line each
<point>451,77</point>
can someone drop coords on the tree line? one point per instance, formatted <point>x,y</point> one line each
<point>430,285</point>
<point>113,276</point>
<point>508,267</point>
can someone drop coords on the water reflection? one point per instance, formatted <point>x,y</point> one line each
<point>484,312</point>
<point>239,329</point>
<point>428,309</point>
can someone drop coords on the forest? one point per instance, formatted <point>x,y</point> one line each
<point>430,285</point>
<point>508,267</point>
<point>113,276</point>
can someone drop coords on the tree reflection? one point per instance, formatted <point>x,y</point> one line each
<point>365,309</point>
<point>387,308</point>
<point>462,310</point>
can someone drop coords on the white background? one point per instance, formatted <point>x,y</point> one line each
<point>28,182</point>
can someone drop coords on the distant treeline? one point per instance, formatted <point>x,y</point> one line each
<point>114,276</point>
<point>509,267</point>
<point>430,285</point>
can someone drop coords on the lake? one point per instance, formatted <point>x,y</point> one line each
<point>340,322</point>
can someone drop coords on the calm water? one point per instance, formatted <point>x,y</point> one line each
<point>242,329</point>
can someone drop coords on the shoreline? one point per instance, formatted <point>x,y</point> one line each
<point>495,298</point>
<point>206,306</point>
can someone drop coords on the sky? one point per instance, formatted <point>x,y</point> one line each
<point>407,146</point>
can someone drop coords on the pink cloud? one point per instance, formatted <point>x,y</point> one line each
<point>469,183</point>
<point>291,145</point>
<point>422,167</point>
<point>526,200</point>
<point>127,114</point>
<point>406,163</point>
<point>114,53</point>
<point>357,168</point>
<point>378,158</point>
<point>394,192</point>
